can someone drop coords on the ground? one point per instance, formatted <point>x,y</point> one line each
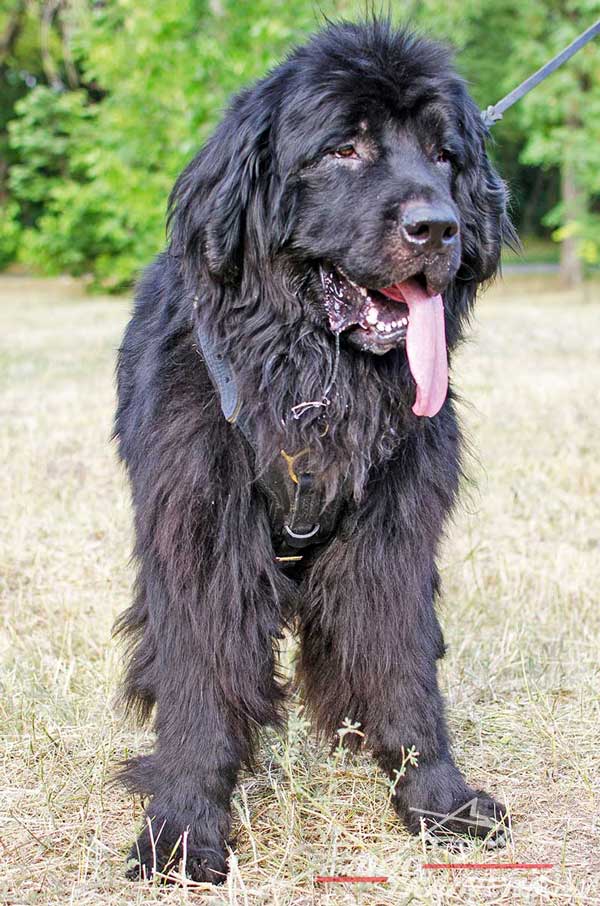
<point>521,576</point>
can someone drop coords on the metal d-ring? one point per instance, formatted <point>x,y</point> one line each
<point>303,537</point>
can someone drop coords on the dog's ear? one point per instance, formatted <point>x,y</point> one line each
<point>482,198</point>
<point>225,210</point>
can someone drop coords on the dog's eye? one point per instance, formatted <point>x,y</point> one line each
<point>346,152</point>
<point>443,156</point>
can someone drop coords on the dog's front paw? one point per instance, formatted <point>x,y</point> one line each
<point>165,854</point>
<point>439,802</point>
<point>478,817</point>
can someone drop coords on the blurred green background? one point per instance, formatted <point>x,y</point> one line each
<point>102,102</point>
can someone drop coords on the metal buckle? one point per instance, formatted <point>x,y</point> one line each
<point>302,537</point>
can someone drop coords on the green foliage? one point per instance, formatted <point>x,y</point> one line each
<point>561,118</point>
<point>10,233</point>
<point>60,182</point>
<point>47,135</point>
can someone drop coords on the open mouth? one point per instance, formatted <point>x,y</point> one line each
<point>375,320</point>
<point>403,314</point>
<point>381,320</point>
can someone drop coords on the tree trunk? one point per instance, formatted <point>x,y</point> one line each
<point>571,269</point>
<point>12,31</point>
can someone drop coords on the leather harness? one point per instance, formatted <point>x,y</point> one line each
<point>299,519</point>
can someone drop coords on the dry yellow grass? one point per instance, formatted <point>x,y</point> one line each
<point>521,577</point>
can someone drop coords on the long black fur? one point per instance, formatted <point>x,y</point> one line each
<point>251,218</point>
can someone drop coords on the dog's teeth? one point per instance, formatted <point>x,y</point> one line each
<point>388,328</point>
<point>380,325</point>
<point>404,322</point>
<point>372,316</point>
<point>394,324</point>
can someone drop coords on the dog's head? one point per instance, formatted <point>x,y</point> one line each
<point>360,164</point>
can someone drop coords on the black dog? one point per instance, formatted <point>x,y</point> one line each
<point>326,247</point>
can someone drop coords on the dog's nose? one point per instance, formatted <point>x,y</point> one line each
<point>429,228</point>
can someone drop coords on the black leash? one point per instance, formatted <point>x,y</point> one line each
<point>495,111</point>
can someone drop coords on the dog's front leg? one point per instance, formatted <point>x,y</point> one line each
<point>188,778</point>
<point>370,640</point>
<point>204,655</point>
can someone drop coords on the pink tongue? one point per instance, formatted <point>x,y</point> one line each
<point>425,345</point>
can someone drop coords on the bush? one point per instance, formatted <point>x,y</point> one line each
<point>10,233</point>
<point>62,188</point>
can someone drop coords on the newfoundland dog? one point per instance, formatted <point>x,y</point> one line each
<point>290,434</point>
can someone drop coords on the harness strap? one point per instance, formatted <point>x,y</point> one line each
<point>301,525</point>
<point>223,379</point>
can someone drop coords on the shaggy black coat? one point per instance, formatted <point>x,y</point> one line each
<point>311,165</point>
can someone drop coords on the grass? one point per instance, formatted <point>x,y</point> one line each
<point>521,576</point>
